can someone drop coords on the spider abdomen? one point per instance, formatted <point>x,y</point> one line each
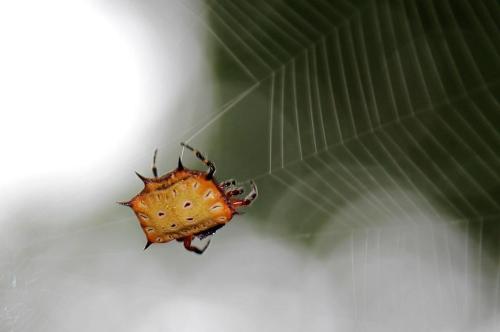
<point>185,207</point>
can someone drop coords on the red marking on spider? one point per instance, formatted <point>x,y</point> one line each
<point>184,204</point>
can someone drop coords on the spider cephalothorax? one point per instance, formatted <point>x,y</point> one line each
<point>184,204</point>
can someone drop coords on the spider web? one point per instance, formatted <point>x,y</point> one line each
<point>374,119</point>
<point>371,128</point>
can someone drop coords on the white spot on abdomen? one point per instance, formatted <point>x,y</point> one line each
<point>216,207</point>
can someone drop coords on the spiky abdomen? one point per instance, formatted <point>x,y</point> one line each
<point>184,208</point>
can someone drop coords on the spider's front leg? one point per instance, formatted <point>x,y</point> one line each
<point>234,192</point>
<point>210,164</point>
<point>228,187</point>
<point>248,199</point>
<point>227,184</point>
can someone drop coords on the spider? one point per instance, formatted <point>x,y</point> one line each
<point>184,204</point>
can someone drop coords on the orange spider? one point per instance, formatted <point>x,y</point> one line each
<point>184,204</point>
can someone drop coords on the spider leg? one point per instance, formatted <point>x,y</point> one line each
<point>207,162</point>
<point>234,192</point>
<point>188,246</point>
<point>155,170</point>
<point>248,199</point>
<point>226,184</point>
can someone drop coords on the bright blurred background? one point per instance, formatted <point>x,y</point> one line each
<point>370,126</point>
